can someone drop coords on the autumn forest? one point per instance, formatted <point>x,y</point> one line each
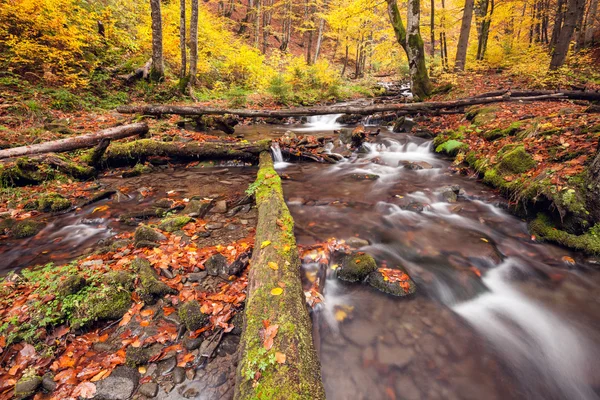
<point>268,199</point>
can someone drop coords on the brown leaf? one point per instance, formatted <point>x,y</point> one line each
<point>269,334</point>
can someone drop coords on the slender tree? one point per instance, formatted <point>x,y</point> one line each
<point>463,38</point>
<point>484,11</point>
<point>157,71</point>
<point>193,45</point>
<point>558,22</point>
<point>590,27</point>
<point>572,15</point>
<point>182,46</point>
<point>266,28</point>
<point>432,28</point>
<point>286,33</point>
<point>320,33</point>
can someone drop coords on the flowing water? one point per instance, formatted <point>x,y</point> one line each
<point>528,328</point>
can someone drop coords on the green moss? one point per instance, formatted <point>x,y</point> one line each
<point>119,280</point>
<point>174,224</point>
<point>106,303</point>
<point>26,228</point>
<point>481,115</point>
<point>191,316</point>
<point>516,161</point>
<point>451,147</point>
<point>71,285</point>
<point>145,233</point>
<point>151,288</point>
<point>52,202</point>
<point>589,242</point>
<point>356,267</point>
<point>499,132</point>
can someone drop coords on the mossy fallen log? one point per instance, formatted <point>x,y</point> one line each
<point>140,150</point>
<point>34,170</point>
<point>287,368</point>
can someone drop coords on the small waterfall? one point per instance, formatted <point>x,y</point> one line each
<point>322,122</point>
<point>278,156</point>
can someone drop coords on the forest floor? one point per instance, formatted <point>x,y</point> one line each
<point>43,331</point>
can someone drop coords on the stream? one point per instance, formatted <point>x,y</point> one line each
<point>496,314</point>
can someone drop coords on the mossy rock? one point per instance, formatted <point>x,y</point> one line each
<point>71,285</point>
<point>53,202</point>
<point>119,279</point>
<point>191,316</point>
<point>481,115</point>
<point>27,386</point>
<point>544,230</point>
<point>451,147</point>
<point>137,170</point>
<point>378,281</point>
<point>197,208</point>
<point>173,224</point>
<point>356,267</point>
<point>136,356</point>
<point>132,218</point>
<point>6,223</point>
<point>26,228</point>
<point>516,161</point>
<point>145,233</point>
<point>151,288</point>
<point>106,303</point>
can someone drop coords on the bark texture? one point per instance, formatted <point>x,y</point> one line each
<point>158,68</point>
<point>463,39</point>
<point>77,142</point>
<point>193,43</point>
<point>396,20</point>
<point>182,36</point>
<point>299,376</point>
<point>594,185</point>
<point>420,85</point>
<point>574,10</point>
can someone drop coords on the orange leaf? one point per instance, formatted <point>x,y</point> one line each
<point>280,357</point>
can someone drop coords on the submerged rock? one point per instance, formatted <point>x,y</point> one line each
<point>356,267</point>
<point>26,228</point>
<point>191,315</point>
<point>364,177</point>
<point>356,242</point>
<point>449,193</point>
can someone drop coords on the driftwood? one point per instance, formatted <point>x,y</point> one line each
<point>76,142</point>
<point>277,324</point>
<point>399,108</point>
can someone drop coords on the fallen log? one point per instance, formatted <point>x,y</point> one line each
<point>278,357</point>
<point>76,142</point>
<point>569,94</point>
<point>119,154</point>
<point>34,170</point>
<point>399,108</point>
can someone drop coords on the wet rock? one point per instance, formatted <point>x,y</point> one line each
<point>191,315</point>
<point>27,386</point>
<point>216,265</point>
<point>71,285</point>
<point>238,323</point>
<point>132,218</point>
<point>147,234</point>
<point>148,389</point>
<point>417,165</point>
<point>213,226</point>
<point>173,224</point>
<point>364,177</point>
<point>349,119</point>
<point>197,276</point>
<point>356,242</point>
<point>406,389</point>
<point>400,289</point>
<point>345,136</point>
<point>119,385</point>
<point>163,203</point>
<point>239,264</point>
<point>229,344</point>
<point>449,193</point>
<point>356,267</point>
<point>192,343</point>
<point>48,383</point>
<point>397,356</point>
<point>178,375</point>
<point>198,208</point>
<point>190,393</point>
<point>119,244</point>
<point>151,288</point>
<point>413,206</point>
<point>220,207</point>
<point>361,332</point>
<point>52,202</point>
<point>422,132</point>
<point>135,356</point>
<point>165,367</point>
<point>26,228</point>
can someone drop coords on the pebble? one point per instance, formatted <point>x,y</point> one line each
<point>119,385</point>
<point>398,356</point>
<point>149,389</point>
<point>213,226</point>
<point>92,263</point>
<point>406,389</point>
<point>197,276</point>
<point>178,375</point>
<point>166,366</point>
<point>166,272</point>
<point>220,207</point>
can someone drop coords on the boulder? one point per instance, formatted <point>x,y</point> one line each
<point>191,316</point>
<point>449,193</point>
<point>356,242</point>
<point>71,285</point>
<point>148,389</point>
<point>151,288</point>
<point>356,267</point>
<point>197,208</point>
<point>147,234</point>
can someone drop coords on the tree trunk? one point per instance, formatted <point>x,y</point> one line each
<point>346,58</point>
<point>400,108</point>
<point>463,39</point>
<point>591,24</point>
<point>484,12</point>
<point>443,46</point>
<point>193,45</point>
<point>157,72</point>
<point>76,142</point>
<point>558,22</point>
<point>432,28</point>
<point>396,20</point>
<point>276,302</point>
<point>257,22</point>
<point>559,55</point>
<point>320,35</point>
<point>420,85</point>
<point>182,46</point>
<point>267,14</point>
<point>286,34</point>
<point>594,185</point>
<point>247,18</point>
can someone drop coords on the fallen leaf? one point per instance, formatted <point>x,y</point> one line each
<point>265,244</point>
<point>276,291</point>
<point>269,334</point>
<point>568,260</point>
<point>280,357</point>
<point>340,315</point>
<point>87,390</point>
<point>273,265</point>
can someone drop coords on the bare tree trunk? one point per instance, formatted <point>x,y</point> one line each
<point>591,23</point>
<point>443,45</point>
<point>559,55</point>
<point>287,26</point>
<point>463,39</point>
<point>558,22</point>
<point>247,18</point>
<point>193,44</point>
<point>257,23</point>
<point>320,34</point>
<point>484,11</point>
<point>397,24</point>
<point>432,28</point>
<point>580,28</point>
<point>420,85</point>
<point>267,16</point>
<point>182,46</point>
<point>157,72</point>
<point>346,57</point>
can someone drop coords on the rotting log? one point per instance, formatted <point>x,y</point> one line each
<point>276,299</point>
<point>76,142</point>
<point>399,108</point>
<point>34,170</point>
<point>143,149</point>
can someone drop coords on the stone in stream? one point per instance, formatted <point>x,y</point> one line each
<point>148,389</point>
<point>220,207</point>
<point>364,177</point>
<point>192,343</point>
<point>377,280</point>
<point>356,267</point>
<point>361,332</point>
<point>413,206</point>
<point>135,356</point>
<point>26,228</point>
<point>178,375</point>
<point>449,193</point>
<point>173,224</point>
<point>406,389</point>
<point>416,165</point>
<point>394,355</point>
<point>119,385</point>
<point>357,242</point>
<point>27,386</point>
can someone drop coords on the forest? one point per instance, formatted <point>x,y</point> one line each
<point>264,199</point>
